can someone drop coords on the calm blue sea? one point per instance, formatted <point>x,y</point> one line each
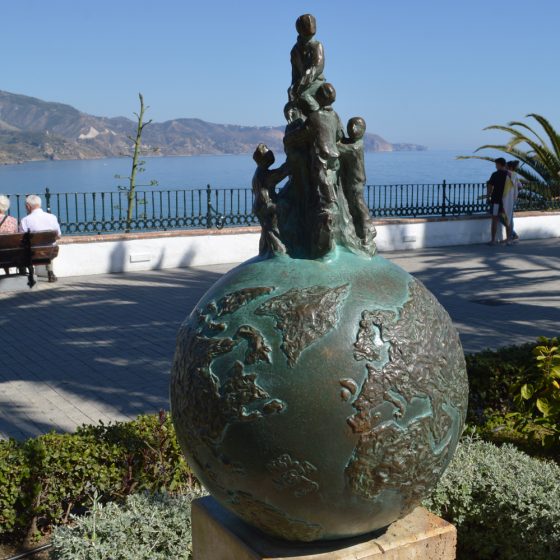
<point>432,166</point>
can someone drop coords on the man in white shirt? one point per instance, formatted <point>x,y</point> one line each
<point>38,220</point>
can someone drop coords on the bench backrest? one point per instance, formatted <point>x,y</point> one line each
<point>22,249</point>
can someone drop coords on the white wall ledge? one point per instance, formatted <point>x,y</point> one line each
<point>138,251</point>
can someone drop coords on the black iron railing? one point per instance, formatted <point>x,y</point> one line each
<point>105,212</point>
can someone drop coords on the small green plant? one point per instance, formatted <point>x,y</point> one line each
<point>145,527</point>
<point>137,167</point>
<point>537,396</point>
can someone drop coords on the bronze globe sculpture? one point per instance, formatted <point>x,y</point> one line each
<point>318,391</point>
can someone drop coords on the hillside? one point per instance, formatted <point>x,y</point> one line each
<point>32,129</point>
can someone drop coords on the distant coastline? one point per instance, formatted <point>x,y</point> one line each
<point>35,130</point>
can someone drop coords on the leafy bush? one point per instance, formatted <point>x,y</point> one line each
<point>14,471</point>
<point>153,458</point>
<point>513,396</point>
<point>537,395</point>
<point>505,504</point>
<point>491,374</point>
<point>45,479</point>
<point>145,527</point>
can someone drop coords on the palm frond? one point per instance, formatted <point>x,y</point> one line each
<point>527,127</point>
<point>550,131</point>
<point>499,148</point>
<point>509,129</point>
<point>518,138</point>
<point>484,158</point>
<point>540,158</point>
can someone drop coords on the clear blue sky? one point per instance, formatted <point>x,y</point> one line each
<point>433,72</point>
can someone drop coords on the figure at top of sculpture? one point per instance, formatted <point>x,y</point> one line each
<point>353,178</point>
<point>308,63</point>
<point>264,206</point>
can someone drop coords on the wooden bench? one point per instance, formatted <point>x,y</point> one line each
<point>24,251</point>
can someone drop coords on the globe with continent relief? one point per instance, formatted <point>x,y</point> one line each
<point>318,399</point>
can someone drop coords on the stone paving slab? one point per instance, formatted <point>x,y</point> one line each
<point>100,347</point>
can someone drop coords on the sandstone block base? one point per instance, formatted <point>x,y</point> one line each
<point>219,535</point>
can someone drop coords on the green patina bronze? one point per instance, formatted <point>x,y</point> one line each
<point>318,390</point>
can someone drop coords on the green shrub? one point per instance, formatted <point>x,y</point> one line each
<point>514,396</point>
<point>14,472</point>
<point>491,374</point>
<point>153,458</point>
<point>61,467</point>
<point>505,504</point>
<point>45,479</point>
<point>145,527</point>
<point>537,395</point>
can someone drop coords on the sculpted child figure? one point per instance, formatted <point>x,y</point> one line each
<point>293,199</point>
<point>321,133</point>
<point>264,206</point>
<point>353,178</point>
<point>308,63</point>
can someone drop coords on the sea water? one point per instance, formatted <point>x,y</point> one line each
<point>227,171</point>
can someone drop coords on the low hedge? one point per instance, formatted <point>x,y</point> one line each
<point>504,503</point>
<point>491,374</point>
<point>45,479</point>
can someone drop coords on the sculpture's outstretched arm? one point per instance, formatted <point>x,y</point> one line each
<point>280,173</point>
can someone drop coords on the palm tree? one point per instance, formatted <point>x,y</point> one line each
<point>540,161</point>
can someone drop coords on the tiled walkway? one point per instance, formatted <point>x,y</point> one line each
<point>99,347</point>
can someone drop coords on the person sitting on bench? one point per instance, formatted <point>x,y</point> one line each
<point>38,220</point>
<point>8,224</point>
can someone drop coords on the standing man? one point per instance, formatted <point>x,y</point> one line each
<point>38,220</point>
<point>495,190</point>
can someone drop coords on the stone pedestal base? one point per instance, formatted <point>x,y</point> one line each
<point>219,535</point>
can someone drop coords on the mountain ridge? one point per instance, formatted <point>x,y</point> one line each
<point>32,129</point>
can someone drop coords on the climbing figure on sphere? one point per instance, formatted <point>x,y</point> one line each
<point>320,134</point>
<point>265,197</point>
<point>353,179</point>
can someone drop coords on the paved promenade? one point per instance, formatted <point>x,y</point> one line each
<point>99,347</point>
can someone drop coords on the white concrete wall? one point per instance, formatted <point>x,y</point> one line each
<point>78,259</point>
<point>416,234</point>
<point>153,252</point>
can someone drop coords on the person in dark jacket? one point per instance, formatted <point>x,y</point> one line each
<point>495,189</point>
